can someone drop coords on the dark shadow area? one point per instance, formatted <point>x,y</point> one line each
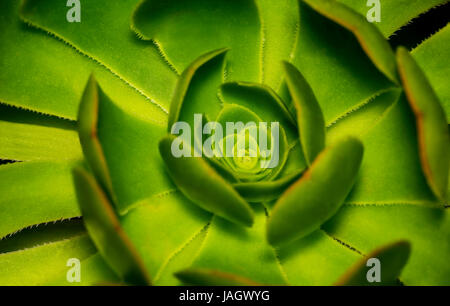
<point>421,28</point>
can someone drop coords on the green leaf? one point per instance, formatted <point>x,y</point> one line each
<point>94,271</point>
<point>390,171</point>
<point>161,226</point>
<point>317,195</point>
<point>430,55</point>
<point>432,130</point>
<point>266,191</point>
<point>43,263</point>
<point>311,124</point>
<point>279,30</point>
<point>372,41</point>
<point>104,228</point>
<point>267,167</point>
<point>394,13</point>
<point>61,71</point>
<point>53,64</point>
<point>88,132</point>
<point>361,121</point>
<point>27,142</point>
<point>44,233</point>
<point>316,259</point>
<point>295,161</point>
<point>332,61</point>
<point>178,27</point>
<point>263,101</point>
<point>137,63</point>
<point>184,83</point>
<point>127,139</point>
<point>427,229</point>
<point>35,193</point>
<point>392,258</point>
<point>140,76</point>
<point>205,277</point>
<point>225,245</point>
<point>204,186</point>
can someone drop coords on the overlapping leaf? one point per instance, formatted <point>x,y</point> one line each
<point>105,36</point>
<point>165,227</point>
<point>28,136</point>
<point>47,264</point>
<point>179,29</point>
<point>430,55</point>
<point>103,226</point>
<point>339,72</point>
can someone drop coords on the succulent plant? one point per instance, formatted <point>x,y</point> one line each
<point>87,111</point>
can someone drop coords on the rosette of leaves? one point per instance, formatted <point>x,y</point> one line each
<point>364,145</point>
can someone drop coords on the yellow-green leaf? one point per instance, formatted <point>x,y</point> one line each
<point>368,35</point>
<point>391,260</point>
<point>206,277</point>
<point>317,195</point>
<point>105,230</point>
<point>432,130</point>
<point>204,186</point>
<point>310,120</point>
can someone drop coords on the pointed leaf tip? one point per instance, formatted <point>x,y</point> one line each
<point>432,129</point>
<point>184,82</point>
<point>318,194</point>
<point>311,123</point>
<point>104,229</point>
<point>368,35</point>
<point>87,132</point>
<point>200,183</point>
<point>391,259</point>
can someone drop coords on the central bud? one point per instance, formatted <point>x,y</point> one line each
<point>246,152</point>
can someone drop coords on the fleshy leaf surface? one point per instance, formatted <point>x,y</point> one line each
<point>61,71</point>
<point>88,132</point>
<point>43,233</point>
<point>232,249</point>
<point>394,14</point>
<point>431,124</point>
<point>40,139</point>
<point>317,195</point>
<point>35,193</point>
<point>280,27</point>
<point>387,180</point>
<point>310,121</point>
<point>339,72</point>
<point>178,27</point>
<point>183,86</point>
<point>136,62</point>
<point>426,228</point>
<point>128,138</point>
<point>391,258</point>
<point>105,230</point>
<point>316,259</point>
<point>51,260</point>
<point>263,101</point>
<point>161,226</point>
<point>204,186</point>
<point>430,55</point>
<point>266,191</point>
<point>368,35</point>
